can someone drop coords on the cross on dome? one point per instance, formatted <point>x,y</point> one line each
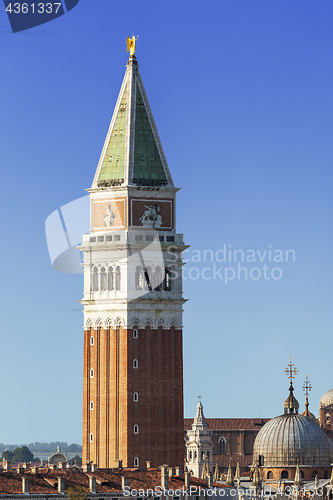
<point>307,386</point>
<point>291,371</point>
<point>291,404</point>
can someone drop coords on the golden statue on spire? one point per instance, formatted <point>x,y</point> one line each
<point>131,44</point>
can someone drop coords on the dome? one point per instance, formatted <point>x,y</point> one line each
<point>291,438</point>
<point>308,413</point>
<point>327,399</point>
<point>58,457</point>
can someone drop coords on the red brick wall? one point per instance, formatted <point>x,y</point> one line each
<point>159,383</point>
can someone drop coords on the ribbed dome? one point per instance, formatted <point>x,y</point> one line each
<point>309,414</point>
<point>327,399</point>
<point>291,438</point>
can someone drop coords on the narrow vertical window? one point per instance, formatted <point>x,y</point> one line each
<point>135,397</point>
<point>91,405</point>
<point>103,279</point>
<point>167,279</point>
<point>138,278</point>
<point>91,373</point>
<point>136,429</point>
<point>135,333</point>
<point>91,340</point>
<point>118,278</point>
<point>91,437</point>
<point>135,363</point>
<point>110,279</point>
<point>95,280</point>
<point>136,462</point>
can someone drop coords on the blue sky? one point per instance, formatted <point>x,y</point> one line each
<point>241,92</point>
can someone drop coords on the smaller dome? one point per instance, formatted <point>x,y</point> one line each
<point>58,457</point>
<point>291,404</point>
<point>327,399</point>
<point>308,413</point>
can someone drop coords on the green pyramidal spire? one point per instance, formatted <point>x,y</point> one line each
<point>132,152</point>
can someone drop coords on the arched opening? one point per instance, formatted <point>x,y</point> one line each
<point>190,456</point>
<point>270,475</point>
<point>314,474</point>
<point>103,279</point>
<point>92,373</point>
<point>91,405</point>
<point>284,474</point>
<point>135,363</point>
<point>222,445</point>
<point>135,333</point>
<point>167,279</point>
<point>91,340</point>
<point>135,397</point>
<point>302,474</point>
<point>325,474</point>
<point>95,280</point>
<point>91,437</point>
<point>138,278</point>
<point>136,462</point>
<point>202,455</point>
<point>328,418</point>
<point>136,429</point>
<point>118,278</point>
<point>261,460</point>
<point>110,279</point>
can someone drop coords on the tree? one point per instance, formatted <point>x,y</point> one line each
<point>78,493</point>
<point>22,454</point>
<point>7,455</point>
<point>77,460</point>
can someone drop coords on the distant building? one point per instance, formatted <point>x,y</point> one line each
<point>326,413</point>
<point>199,446</point>
<point>232,439</point>
<point>57,458</point>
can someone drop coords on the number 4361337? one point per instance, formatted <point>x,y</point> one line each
<point>32,8</point>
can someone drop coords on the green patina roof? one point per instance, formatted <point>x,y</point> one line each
<point>113,166</point>
<point>147,160</point>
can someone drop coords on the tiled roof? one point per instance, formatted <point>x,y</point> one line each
<point>216,424</point>
<point>107,480</point>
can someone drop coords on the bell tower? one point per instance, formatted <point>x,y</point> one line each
<point>132,260</point>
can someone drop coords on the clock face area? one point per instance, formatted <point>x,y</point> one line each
<point>151,213</point>
<point>108,215</point>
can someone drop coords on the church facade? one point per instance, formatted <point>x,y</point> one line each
<point>133,300</point>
